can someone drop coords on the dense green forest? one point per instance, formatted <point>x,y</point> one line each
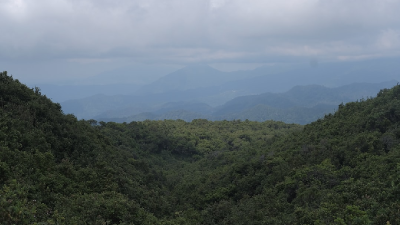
<point>54,169</point>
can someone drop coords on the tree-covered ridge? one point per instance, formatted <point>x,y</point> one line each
<point>57,170</point>
<point>343,169</point>
<point>54,169</point>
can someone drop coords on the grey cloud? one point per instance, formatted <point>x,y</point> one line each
<point>183,31</point>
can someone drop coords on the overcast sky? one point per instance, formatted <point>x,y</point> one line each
<point>67,39</point>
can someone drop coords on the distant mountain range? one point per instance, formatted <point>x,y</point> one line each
<point>301,104</point>
<point>206,84</point>
<point>200,91</point>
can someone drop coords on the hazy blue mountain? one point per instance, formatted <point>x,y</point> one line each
<point>93,106</point>
<point>245,102</point>
<point>304,96</point>
<point>205,84</point>
<point>126,105</point>
<point>139,117</point>
<point>158,111</point>
<point>133,74</point>
<point>181,114</point>
<point>296,114</point>
<point>198,107</point>
<point>300,115</point>
<point>327,74</point>
<point>61,93</point>
<point>301,104</point>
<point>170,115</point>
<point>191,77</point>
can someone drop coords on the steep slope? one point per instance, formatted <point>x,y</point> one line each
<point>57,170</point>
<point>342,169</point>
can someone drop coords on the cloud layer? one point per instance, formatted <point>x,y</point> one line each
<point>190,31</point>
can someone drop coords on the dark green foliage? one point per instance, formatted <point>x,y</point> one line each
<point>54,169</point>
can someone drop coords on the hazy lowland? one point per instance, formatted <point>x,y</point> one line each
<point>223,167</point>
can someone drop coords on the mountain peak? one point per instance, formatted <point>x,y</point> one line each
<point>194,69</point>
<point>189,77</point>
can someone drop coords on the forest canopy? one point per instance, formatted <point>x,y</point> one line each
<point>55,169</point>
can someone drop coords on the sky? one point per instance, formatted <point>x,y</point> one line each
<point>61,40</point>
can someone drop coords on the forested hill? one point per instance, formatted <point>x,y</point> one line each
<point>54,169</point>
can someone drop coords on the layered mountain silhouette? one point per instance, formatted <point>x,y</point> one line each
<point>301,104</point>
<point>217,91</point>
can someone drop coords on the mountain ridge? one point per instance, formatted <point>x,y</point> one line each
<point>310,101</point>
<point>343,168</point>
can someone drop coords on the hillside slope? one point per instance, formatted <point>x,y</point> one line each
<point>343,169</point>
<point>54,169</point>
